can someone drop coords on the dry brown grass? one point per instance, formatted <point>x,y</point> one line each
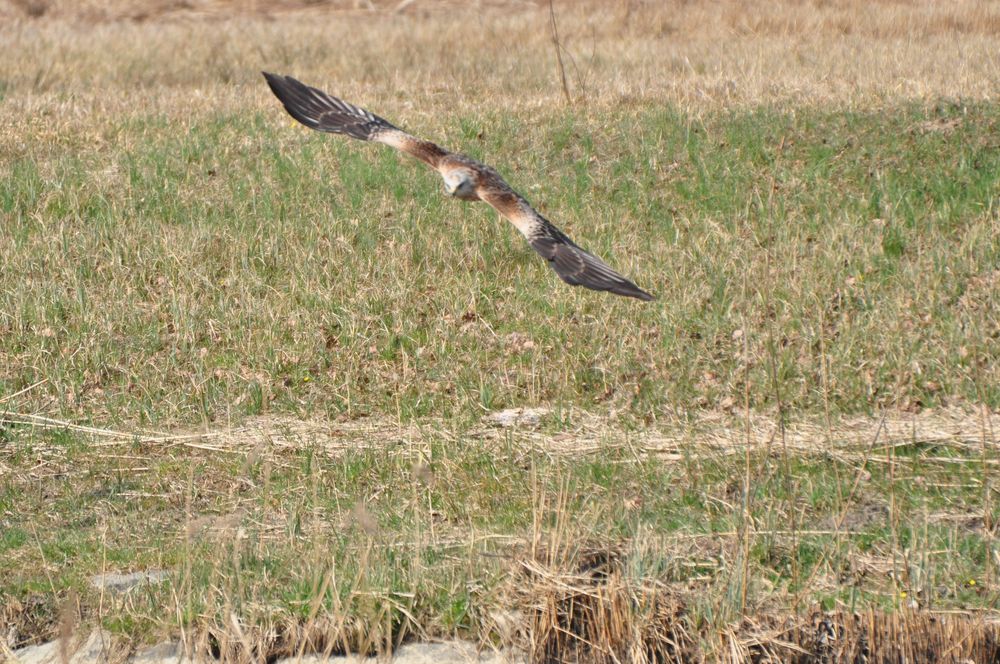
<point>76,59</point>
<point>569,593</point>
<point>709,433</point>
<point>77,74</point>
<point>585,608</point>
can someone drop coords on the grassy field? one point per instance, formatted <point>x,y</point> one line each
<point>260,357</point>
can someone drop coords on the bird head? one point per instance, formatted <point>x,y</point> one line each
<point>460,183</point>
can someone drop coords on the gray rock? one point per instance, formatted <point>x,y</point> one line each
<point>93,651</point>
<point>452,652</point>
<point>43,654</point>
<point>120,583</point>
<point>168,652</point>
<point>96,648</point>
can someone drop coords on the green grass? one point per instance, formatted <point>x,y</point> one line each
<point>808,263</point>
<point>426,529</point>
<point>206,274</point>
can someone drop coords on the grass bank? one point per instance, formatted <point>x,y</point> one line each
<point>258,358</point>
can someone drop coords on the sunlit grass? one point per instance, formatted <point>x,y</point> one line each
<point>420,533</point>
<point>176,256</point>
<point>226,265</point>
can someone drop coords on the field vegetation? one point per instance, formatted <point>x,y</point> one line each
<point>264,359</point>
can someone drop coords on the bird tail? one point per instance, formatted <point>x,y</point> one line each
<point>322,112</point>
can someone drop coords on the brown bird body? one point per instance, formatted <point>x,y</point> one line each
<point>464,178</point>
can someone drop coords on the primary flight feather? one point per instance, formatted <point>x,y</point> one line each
<point>464,178</point>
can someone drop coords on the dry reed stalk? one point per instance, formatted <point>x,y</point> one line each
<point>558,48</point>
<point>585,608</point>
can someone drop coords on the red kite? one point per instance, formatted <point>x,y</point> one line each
<point>464,178</point>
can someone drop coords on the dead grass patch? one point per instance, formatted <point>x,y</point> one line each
<point>727,433</point>
<point>711,433</point>
<point>447,56</point>
<point>586,609</point>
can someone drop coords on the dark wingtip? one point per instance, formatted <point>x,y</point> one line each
<point>275,82</point>
<point>636,292</point>
<point>278,83</point>
<point>289,92</point>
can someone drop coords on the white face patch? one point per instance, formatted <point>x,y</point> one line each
<point>460,184</point>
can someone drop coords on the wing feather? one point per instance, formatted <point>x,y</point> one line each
<point>574,265</point>
<point>323,112</point>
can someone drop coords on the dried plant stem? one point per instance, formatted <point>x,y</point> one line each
<point>747,516</point>
<point>558,47</point>
<point>893,520</point>
<point>989,526</point>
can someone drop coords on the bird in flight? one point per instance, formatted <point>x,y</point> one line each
<point>464,178</point>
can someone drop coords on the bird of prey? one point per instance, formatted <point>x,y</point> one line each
<point>464,178</point>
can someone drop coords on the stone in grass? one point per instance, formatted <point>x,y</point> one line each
<point>93,651</point>
<point>168,652</point>
<point>517,417</point>
<point>457,652</point>
<point>120,583</point>
<point>454,652</point>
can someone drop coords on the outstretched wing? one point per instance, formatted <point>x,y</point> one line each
<point>574,265</point>
<point>322,112</point>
